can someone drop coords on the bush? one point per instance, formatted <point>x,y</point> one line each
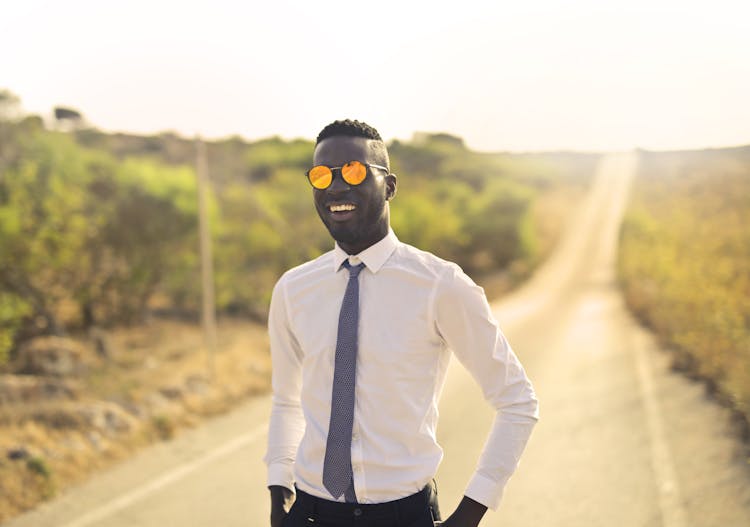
<point>685,262</point>
<point>99,229</point>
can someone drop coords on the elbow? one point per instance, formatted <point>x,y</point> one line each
<point>528,402</point>
<point>282,402</point>
<point>531,404</point>
<point>535,408</point>
<point>518,402</point>
<point>525,410</point>
<point>523,407</point>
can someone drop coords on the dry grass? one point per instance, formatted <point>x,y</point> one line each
<point>685,265</point>
<point>155,382</point>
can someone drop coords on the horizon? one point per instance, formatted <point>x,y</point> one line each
<point>550,76</point>
<point>49,124</point>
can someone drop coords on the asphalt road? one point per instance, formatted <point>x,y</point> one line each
<point>622,441</point>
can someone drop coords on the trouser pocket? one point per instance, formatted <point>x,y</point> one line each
<point>426,519</point>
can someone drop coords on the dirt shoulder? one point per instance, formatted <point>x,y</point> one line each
<point>105,395</point>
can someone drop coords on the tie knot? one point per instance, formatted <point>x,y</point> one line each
<point>353,269</point>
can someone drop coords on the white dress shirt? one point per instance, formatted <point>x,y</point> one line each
<point>415,309</point>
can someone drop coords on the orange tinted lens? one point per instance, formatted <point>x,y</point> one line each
<point>320,176</point>
<point>354,172</point>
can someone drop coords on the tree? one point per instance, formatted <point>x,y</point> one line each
<point>68,119</point>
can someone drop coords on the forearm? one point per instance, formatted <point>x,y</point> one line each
<point>466,324</point>
<point>287,423</point>
<point>284,434</point>
<point>499,459</point>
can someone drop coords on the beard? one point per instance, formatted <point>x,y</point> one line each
<point>365,230</point>
<point>343,234</point>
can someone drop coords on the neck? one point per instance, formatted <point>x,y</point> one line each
<point>358,247</point>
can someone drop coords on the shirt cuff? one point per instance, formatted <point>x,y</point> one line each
<point>486,491</point>
<point>281,474</point>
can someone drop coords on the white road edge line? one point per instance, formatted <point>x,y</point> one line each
<point>670,498</point>
<point>170,477</point>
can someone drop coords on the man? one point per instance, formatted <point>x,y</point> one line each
<point>360,343</point>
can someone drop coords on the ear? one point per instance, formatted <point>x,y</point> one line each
<point>390,186</point>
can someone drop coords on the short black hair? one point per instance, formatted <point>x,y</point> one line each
<point>349,127</point>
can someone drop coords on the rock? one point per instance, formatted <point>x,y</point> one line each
<point>107,417</point>
<point>56,356</point>
<point>59,416</point>
<point>133,409</point>
<point>171,392</point>
<point>15,389</point>
<point>156,404</point>
<point>17,453</point>
<point>58,389</point>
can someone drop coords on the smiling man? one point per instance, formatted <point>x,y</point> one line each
<point>360,342</point>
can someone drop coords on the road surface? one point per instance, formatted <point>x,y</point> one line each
<point>622,441</point>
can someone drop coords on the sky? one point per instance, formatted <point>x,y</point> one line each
<point>504,76</point>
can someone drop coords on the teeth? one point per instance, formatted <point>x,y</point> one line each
<point>342,208</point>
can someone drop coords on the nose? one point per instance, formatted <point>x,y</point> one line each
<point>338,184</point>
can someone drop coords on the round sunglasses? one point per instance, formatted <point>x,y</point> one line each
<point>354,173</point>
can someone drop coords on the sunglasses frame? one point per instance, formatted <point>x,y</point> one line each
<point>367,165</point>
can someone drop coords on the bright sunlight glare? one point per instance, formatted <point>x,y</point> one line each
<point>542,75</point>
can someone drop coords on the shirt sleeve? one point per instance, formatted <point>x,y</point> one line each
<point>287,423</point>
<point>465,322</point>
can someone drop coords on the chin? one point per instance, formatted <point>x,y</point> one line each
<point>343,235</point>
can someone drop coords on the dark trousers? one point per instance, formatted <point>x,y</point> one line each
<point>418,510</point>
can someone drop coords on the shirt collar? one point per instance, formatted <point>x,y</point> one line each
<point>373,257</point>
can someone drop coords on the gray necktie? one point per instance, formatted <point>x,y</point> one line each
<point>337,467</point>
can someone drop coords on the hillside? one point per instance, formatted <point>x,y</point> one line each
<point>685,264</point>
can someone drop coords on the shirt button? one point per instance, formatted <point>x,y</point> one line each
<point>355,436</point>
<point>354,260</point>
<point>358,512</point>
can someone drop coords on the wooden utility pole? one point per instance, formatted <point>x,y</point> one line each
<point>207,267</point>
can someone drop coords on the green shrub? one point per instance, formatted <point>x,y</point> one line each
<point>685,262</point>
